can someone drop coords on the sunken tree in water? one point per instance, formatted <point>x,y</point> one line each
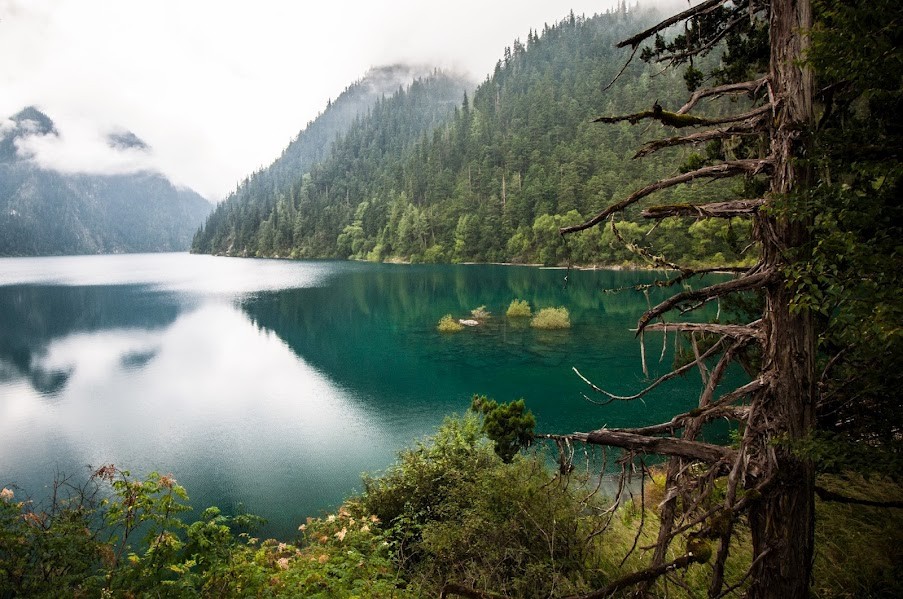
<point>814,149</point>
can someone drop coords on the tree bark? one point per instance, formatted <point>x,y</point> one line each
<point>782,522</point>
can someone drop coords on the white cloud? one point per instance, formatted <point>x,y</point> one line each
<point>218,88</point>
<point>81,148</point>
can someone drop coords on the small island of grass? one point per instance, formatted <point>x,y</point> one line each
<point>519,309</point>
<point>480,313</point>
<point>447,324</point>
<point>552,318</point>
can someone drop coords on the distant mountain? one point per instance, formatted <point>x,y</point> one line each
<point>390,107</point>
<point>45,212</point>
<point>492,178</point>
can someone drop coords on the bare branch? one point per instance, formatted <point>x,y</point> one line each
<point>735,331</point>
<point>656,261</point>
<point>637,39</point>
<point>692,450</point>
<point>674,119</point>
<point>642,576</point>
<point>717,171</point>
<point>746,283</point>
<point>702,50</point>
<point>730,88</point>
<point>621,72</point>
<point>674,373</point>
<point>729,209</point>
<point>739,413</point>
<point>749,127</point>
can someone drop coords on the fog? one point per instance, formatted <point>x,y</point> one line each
<point>217,88</point>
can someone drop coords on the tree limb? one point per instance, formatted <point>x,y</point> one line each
<point>707,415</point>
<point>642,576</point>
<point>692,450</point>
<point>735,331</point>
<point>705,294</point>
<point>702,50</point>
<point>732,168</point>
<point>674,373</point>
<point>637,39</point>
<point>749,127</point>
<point>729,209</point>
<point>730,88</point>
<point>677,120</point>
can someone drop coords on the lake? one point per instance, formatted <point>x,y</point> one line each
<point>272,385</point>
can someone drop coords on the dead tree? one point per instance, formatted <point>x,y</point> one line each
<point>766,485</point>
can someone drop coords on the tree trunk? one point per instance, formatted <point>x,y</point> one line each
<point>783,521</point>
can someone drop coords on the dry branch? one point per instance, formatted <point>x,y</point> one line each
<point>692,450</point>
<point>746,283</point>
<point>637,39</point>
<point>735,331</point>
<point>677,120</point>
<point>642,576</point>
<point>729,209</point>
<point>674,373</point>
<point>738,413</point>
<point>730,88</point>
<point>732,168</point>
<point>749,127</point>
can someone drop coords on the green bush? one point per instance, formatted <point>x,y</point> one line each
<point>509,425</point>
<point>480,313</point>
<point>518,309</point>
<point>552,318</point>
<point>447,324</point>
<point>456,512</point>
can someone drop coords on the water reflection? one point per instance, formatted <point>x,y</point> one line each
<point>275,384</point>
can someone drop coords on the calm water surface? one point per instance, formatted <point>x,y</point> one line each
<point>274,384</point>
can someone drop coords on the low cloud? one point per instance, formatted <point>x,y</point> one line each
<point>218,89</point>
<point>80,148</point>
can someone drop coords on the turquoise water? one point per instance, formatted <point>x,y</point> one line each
<point>274,384</point>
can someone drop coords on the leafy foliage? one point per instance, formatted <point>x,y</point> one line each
<point>552,318</point>
<point>509,425</point>
<point>518,309</point>
<point>447,324</point>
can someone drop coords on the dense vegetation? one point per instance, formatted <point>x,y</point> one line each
<point>492,182</point>
<point>450,509</point>
<point>373,119</point>
<point>467,513</point>
<point>44,212</point>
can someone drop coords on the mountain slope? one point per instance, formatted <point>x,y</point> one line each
<point>386,111</point>
<point>496,180</point>
<point>45,212</point>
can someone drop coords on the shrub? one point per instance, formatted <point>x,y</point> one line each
<point>447,324</point>
<point>480,313</point>
<point>509,425</point>
<point>552,318</point>
<point>456,512</point>
<point>518,308</point>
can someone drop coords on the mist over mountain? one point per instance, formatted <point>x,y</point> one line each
<point>49,212</point>
<point>493,178</point>
<point>389,108</point>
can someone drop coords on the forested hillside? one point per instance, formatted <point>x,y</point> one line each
<point>45,212</point>
<point>383,112</point>
<point>515,161</point>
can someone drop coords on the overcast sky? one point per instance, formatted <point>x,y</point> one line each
<point>217,88</point>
